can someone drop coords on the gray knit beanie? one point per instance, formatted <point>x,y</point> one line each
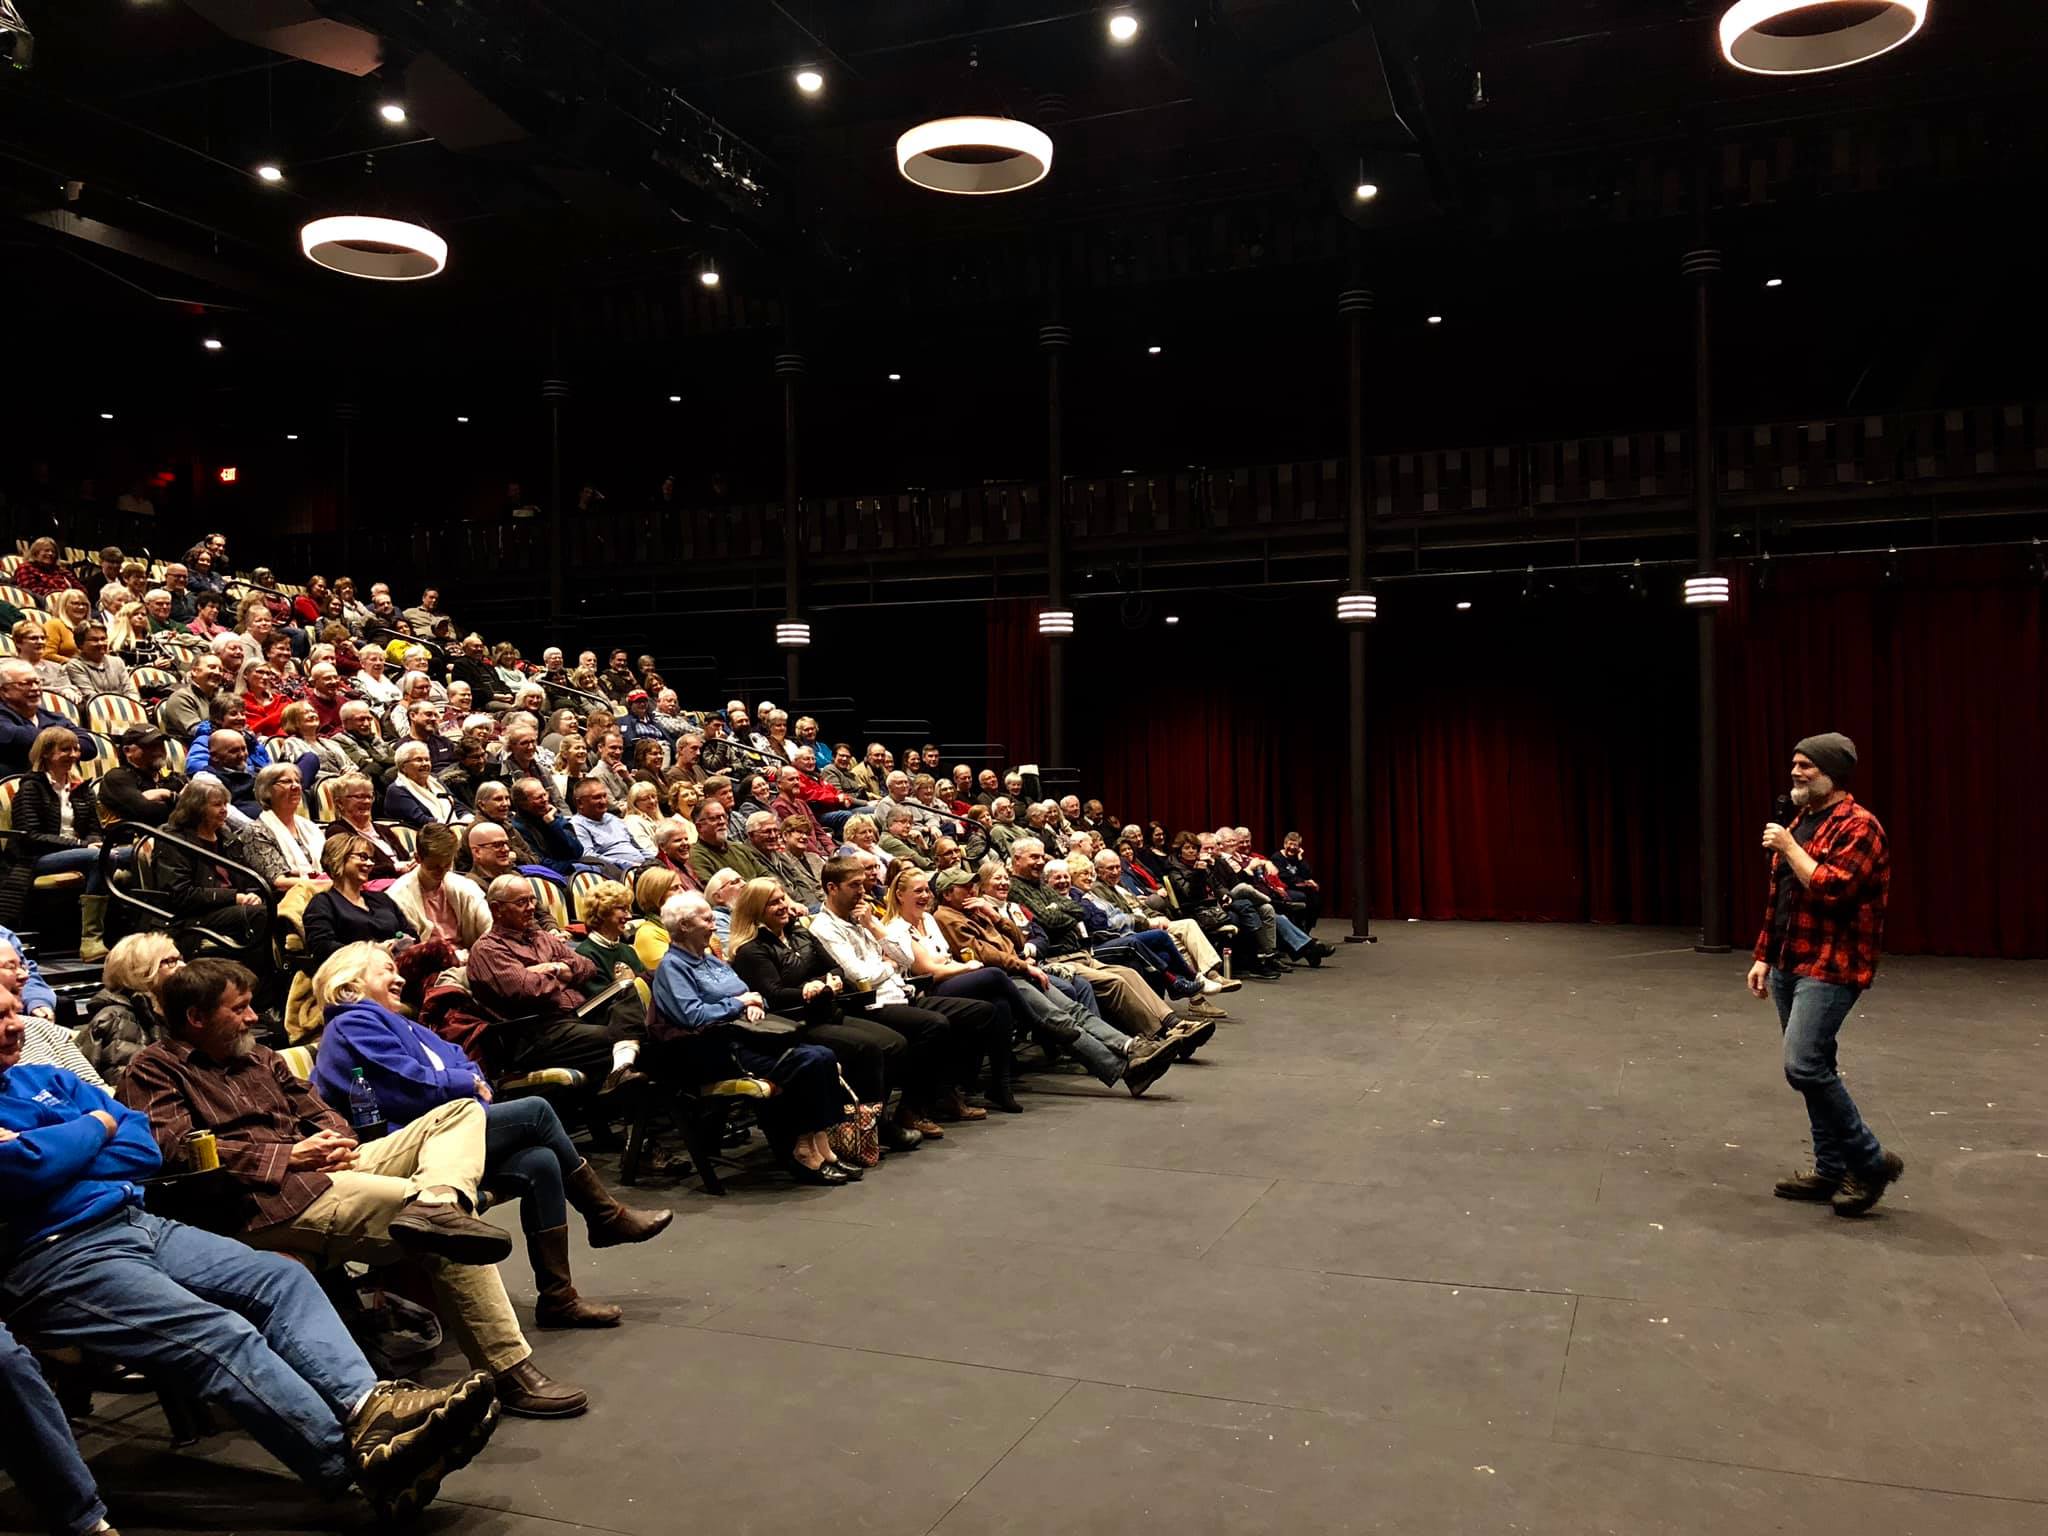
<point>1833,754</point>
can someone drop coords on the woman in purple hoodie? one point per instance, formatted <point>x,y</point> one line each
<point>527,1154</point>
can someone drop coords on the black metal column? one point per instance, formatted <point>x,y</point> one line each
<point>1055,339</point>
<point>1354,304</point>
<point>1702,264</point>
<point>554,392</point>
<point>789,367</point>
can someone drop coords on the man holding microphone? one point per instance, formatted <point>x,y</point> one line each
<point>1830,872</point>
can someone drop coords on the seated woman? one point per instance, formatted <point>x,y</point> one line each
<point>606,911</point>
<point>652,888</point>
<point>299,725</point>
<point>908,924</point>
<point>528,1157</point>
<point>722,890</point>
<point>127,1012</point>
<point>353,795</point>
<point>56,824</point>
<point>863,836</point>
<point>261,702</point>
<point>643,815</point>
<point>70,612</point>
<point>468,773</point>
<point>699,1034</point>
<point>284,845</point>
<point>32,647</point>
<point>371,680</point>
<point>778,958</point>
<point>572,762</point>
<point>41,572</point>
<point>206,622</point>
<point>416,798</point>
<point>345,913</point>
<point>198,888</point>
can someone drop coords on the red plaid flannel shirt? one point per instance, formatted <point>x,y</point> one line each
<point>1837,922</point>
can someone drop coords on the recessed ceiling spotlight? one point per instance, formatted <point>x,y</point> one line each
<point>463,419</point>
<point>106,415</point>
<point>1123,26</point>
<point>1365,191</point>
<point>1436,319</point>
<point>707,274</point>
<point>675,399</point>
<point>291,437</point>
<point>1774,282</point>
<point>1464,606</point>
<point>1173,618</point>
<point>809,81</point>
<point>212,343</point>
<point>270,173</point>
<point>895,378</point>
<point>391,112</point>
<point>1152,351</point>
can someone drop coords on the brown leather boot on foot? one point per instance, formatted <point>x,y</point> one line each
<point>610,1221</point>
<point>1860,1191</point>
<point>1806,1185</point>
<point>559,1305</point>
<point>524,1392</point>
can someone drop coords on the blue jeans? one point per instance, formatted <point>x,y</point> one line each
<point>248,1331</point>
<point>528,1157</point>
<point>64,860</point>
<point>1811,1013</point>
<point>1158,949</point>
<point>1100,1047</point>
<point>38,1450</point>
<point>1290,935</point>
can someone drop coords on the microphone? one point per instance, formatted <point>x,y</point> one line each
<point>1782,810</point>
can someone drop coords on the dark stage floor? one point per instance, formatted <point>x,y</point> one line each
<point>1470,1232</point>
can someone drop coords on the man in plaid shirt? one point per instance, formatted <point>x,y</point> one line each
<point>1830,872</point>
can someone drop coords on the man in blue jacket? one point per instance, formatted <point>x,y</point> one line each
<point>83,1264</point>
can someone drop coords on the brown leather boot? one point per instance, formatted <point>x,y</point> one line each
<point>559,1305</point>
<point>610,1222</point>
<point>527,1394</point>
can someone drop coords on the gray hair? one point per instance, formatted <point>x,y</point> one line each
<point>203,790</point>
<point>681,902</point>
<point>408,750</point>
<point>267,781</point>
<point>759,819</point>
<point>506,886</point>
<point>1023,843</point>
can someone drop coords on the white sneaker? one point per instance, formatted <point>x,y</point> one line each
<point>1211,986</point>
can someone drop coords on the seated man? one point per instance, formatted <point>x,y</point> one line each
<point>494,804</point>
<point>23,718</point>
<point>603,834</point>
<point>545,831</point>
<point>83,1264</point>
<point>975,928</point>
<point>141,789</point>
<point>900,839</point>
<point>519,970</point>
<point>1126,1001</point>
<point>184,708</point>
<point>714,850</point>
<point>297,1182</point>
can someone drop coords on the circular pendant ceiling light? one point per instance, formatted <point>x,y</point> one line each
<point>1804,37</point>
<point>384,250</point>
<point>974,156</point>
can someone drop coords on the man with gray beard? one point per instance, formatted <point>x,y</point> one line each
<point>1823,923</point>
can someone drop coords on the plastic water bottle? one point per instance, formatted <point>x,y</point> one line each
<point>365,1115</point>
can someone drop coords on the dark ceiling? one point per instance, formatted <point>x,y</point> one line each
<point>1538,165</point>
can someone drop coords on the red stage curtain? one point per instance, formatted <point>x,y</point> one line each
<point>1539,761</point>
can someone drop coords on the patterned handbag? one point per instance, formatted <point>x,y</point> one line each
<point>857,1139</point>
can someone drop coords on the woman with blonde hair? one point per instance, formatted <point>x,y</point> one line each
<point>299,723</point>
<point>346,913</point>
<point>528,1157</point>
<point>908,924</point>
<point>41,572</point>
<point>651,889</point>
<point>70,612</point>
<point>643,815</point>
<point>606,909</point>
<point>127,1012</point>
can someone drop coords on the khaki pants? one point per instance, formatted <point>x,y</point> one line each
<point>1187,933</point>
<point>350,1222</point>
<point>1126,1001</point>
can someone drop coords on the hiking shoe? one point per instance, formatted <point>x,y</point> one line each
<point>1202,1008</point>
<point>405,1438</point>
<point>447,1232</point>
<point>1806,1185</point>
<point>1149,1061</point>
<point>1860,1191</point>
<point>1192,1035</point>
